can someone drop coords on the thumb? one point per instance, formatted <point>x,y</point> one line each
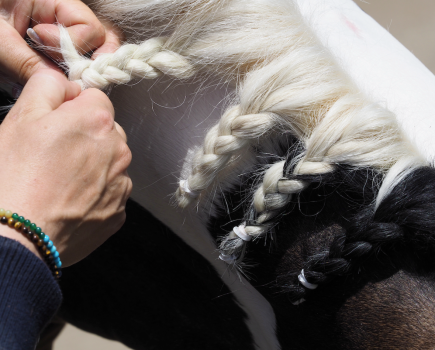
<point>45,91</point>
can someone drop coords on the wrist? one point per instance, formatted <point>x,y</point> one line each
<point>32,237</point>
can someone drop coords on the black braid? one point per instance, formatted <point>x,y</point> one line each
<point>403,222</point>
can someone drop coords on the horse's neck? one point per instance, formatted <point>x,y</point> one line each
<point>383,69</point>
<point>163,121</point>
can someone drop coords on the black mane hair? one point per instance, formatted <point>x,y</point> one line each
<point>401,229</point>
<point>358,256</point>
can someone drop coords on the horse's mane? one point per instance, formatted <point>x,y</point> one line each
<point>287,83</point>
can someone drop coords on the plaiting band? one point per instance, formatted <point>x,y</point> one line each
<point>185,186</point>
<point>304,281</point>
<point>240,231</point>
<point>229,259</point>
<point>300,301</point>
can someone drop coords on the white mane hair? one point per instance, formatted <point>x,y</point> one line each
<point>286,81</point>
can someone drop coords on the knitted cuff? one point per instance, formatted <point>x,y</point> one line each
<point>29,296</point>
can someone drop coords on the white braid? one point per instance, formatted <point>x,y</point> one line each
<point>340,137</point>
<point>146,61</point>
<point>229,138</point>
<point>271,196</point>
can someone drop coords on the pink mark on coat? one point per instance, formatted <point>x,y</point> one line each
<point>351,25</point>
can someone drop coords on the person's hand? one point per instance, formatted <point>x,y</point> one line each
<point>19,61</point>
<point>63,165</point>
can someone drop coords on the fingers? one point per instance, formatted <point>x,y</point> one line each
<point>17,59</point>
<point>114,38</point>
<point>86,31</point>
<point>98,112</point>
<point>45,91</point>
<point>94,105</point>
<point>83,26</point>
<point>85,37</point>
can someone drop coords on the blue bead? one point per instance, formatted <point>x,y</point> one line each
<point>46,239</point>
<point>53,249</point>
<point>58,264</point>
<point>56,260</point>
<point>49,244</point>
<point>56,254</point>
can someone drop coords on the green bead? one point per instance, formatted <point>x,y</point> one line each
<point>33,227</point>
<point>26,223</point>
<point>41,235</point>
<point>21,219</point>
<point>38,230</point>
<point>15,216</point>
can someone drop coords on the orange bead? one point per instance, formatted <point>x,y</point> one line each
<point>11,222</point>
<point>18,225</point>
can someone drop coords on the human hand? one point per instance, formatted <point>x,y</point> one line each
<point>19,61</point>
<point>64,162</point>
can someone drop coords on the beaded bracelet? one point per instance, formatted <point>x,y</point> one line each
<point>35,235</point>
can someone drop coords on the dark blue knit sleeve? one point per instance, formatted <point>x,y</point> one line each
<point>29,296</point>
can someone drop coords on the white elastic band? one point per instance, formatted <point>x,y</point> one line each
<point>185,185</point>
<point>240,231</point>
<point>300,301</point>
<point>304,281</point>
<point>229,259</point>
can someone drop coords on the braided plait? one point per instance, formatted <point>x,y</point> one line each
<point>233,134</point>
<point>327,147</point>
<point>145,61</point>
<point>281,181</point>
<point>403,221</point>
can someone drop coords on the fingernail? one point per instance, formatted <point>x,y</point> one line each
<point>35,37</point>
